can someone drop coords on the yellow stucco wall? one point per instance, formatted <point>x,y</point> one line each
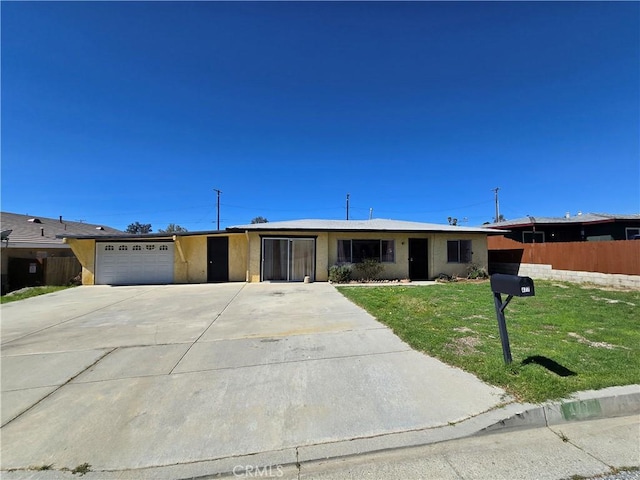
<point>190,260</point>
<point>327,251</point>
<point>322,257</point>
<point>237,257</point>
<point>437,253</point>
<point>438,250</point>
<point>253,273</point>
<point>255,246</point>
<point>85,252</point>
<point>397,269</point>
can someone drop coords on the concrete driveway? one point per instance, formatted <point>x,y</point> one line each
<point>135,378</point>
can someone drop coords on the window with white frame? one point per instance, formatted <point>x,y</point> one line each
<point>632,232</point>
<point>355,251</point>
<point>459,251</point>
<point>532,237</point>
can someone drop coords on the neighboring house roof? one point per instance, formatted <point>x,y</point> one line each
<point>374,225</point>
<point>29,231</point>
<point>587,218</point>
<point>140,236</point>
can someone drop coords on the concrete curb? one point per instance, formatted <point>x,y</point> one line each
<point>587,405</point>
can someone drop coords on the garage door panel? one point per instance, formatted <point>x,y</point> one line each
<point>128,263</point>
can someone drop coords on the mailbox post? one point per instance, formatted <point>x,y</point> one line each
<point>513,286</point>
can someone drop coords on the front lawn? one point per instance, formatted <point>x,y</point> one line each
<point>29,292</point>
<point>565,339</point>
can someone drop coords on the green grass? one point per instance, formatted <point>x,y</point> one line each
<point>592,332</point>
<point>32,292</point>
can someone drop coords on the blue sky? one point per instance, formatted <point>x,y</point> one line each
<point>118,112</point>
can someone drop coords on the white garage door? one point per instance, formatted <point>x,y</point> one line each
<point>134,263</point>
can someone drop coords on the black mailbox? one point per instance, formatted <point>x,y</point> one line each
<point>512,285</point>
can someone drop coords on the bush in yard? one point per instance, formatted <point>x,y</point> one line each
<point>368,269</point>
<point>444,278</point>
<point>476,271</point>
<point>340,273</point>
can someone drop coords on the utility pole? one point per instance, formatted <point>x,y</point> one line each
<point>218,215</point>
<point>495,190</point>
<point>347,206</point>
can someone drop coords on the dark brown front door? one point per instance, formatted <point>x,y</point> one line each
<point>218,259</point>
<point>418,259</point>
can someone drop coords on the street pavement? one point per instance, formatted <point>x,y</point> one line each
<point>185,380</point>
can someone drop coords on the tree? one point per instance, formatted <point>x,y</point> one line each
<point>259,220</point>
<point>173,228</point>
<point>139,228</point>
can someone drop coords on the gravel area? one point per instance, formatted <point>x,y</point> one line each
<point>623,475</point>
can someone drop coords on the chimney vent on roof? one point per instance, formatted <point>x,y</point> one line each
<point>60,218</point>
<point>42,231</point>
<point>567,215</point>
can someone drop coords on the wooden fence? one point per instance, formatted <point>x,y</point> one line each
<point>60,270</point>
<point>620,256</point>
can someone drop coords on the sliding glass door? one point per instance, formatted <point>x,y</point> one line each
<point>288,259</point>
<point>275,259</point>
<point>302,260</point>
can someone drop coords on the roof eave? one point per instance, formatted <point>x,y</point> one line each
<point>369,230</point>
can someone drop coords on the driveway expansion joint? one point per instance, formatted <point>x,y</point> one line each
<point>297,360</point>
<point>73,318</point>
<point>222,310</point>
<point>57,389</point>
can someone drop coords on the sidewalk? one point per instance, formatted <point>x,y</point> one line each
<point>563,451</point>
